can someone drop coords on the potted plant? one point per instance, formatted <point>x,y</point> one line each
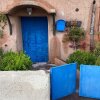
<point>75,35</point>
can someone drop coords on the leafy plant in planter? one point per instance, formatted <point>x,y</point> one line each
<point>15,61</point>
<point>3,22</point>
<point>75,35</point>
<point>82,57</point>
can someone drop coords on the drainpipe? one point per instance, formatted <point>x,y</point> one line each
<point>92,45</point>
<point>54,28</point>
<point>9,22</point>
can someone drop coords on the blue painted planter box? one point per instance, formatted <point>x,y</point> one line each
<point>61,25</point>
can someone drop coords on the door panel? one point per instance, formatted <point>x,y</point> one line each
<point>63,81</point>
<point>35,38</point>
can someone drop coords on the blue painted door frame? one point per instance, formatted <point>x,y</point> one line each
<point>35,38</point>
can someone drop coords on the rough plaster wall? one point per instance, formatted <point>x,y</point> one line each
<point>65,10</point>
<point>26,85</point>
<point>19,42</point>
<point>8,42</point>
<point>4,4</point>
<point>5,36</point>
<point>12,43</point>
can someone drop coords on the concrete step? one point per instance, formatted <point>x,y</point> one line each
<point>42,66</point>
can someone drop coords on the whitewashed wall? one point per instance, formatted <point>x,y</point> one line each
<point>24,85</point>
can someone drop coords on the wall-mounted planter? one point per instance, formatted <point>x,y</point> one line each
<point>24,85</point>
<point>79,23</point>
<point>74,24</point>
<point>60,25</point>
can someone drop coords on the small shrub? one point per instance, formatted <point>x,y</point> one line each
<point>75,35</point>
<point>3,23</point>
<point>97,50</point>
<point>1,54</point>
<point>98,61</point>
<point>15,61</point>
<point>1,33</point>
<point>82,57</point>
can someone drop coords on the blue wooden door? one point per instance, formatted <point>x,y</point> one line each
<point>35,38</point>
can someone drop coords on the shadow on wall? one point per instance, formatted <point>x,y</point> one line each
<point>65,44</point>
<point>55,48</point>
<point>3,40</point>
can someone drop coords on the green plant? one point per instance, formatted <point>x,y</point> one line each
<point>1,54</point>
<point>15,61</point>
<point>97,52</point>
<point>1,51</point>
<point>82,57</point>
<point>75,35</point>
<point>98,34</point>
<point>98,61</point>
<point>1,33</point>
<point>3,22</point>
<point>3,18</point>
<point>97,49</point>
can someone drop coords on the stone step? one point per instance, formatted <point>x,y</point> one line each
<point>42,66</point>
